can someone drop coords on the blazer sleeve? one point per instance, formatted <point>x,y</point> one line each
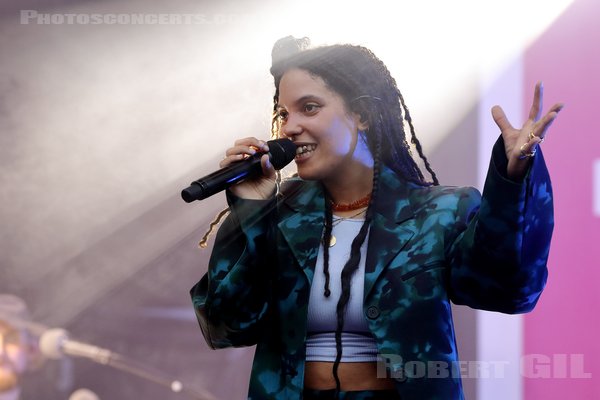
<point>498,262</point>
<point>231,300</point>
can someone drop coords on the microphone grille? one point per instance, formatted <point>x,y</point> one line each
<point>282,152</point>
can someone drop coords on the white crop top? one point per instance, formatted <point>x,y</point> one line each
<point>357,342</point>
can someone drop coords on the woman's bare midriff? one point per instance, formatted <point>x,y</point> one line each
<point>353,376</point>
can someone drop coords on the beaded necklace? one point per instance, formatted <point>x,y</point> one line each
<point>355,205</point>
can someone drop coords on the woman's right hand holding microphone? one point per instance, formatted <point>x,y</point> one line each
<point>258,188</point>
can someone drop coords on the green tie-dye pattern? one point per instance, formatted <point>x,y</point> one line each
<point>428,246</point>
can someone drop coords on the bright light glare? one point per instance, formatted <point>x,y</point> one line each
<point>140,113</point>
<point>436,50</point>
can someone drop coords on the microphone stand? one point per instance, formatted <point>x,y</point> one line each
<point>130,366</point>
<point>55,343</point>
<point>100,356</point>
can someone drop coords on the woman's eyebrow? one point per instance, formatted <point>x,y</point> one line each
<point>302,99</point>
<point>308,97</point>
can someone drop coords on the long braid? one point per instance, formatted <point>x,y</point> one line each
<point>416,141</point>
<point>353,263</point>
<point>326,241</point>
<point>392,124</point>
<point>274,119</point>
<point>203,243</point>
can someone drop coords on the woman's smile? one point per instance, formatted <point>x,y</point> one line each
<point>304,151</point>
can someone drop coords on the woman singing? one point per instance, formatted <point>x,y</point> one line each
<point>343,275</point>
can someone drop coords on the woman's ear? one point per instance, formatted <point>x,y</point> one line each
<point>361,120</point>
<point>363,125</point>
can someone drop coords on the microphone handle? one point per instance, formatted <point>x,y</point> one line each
<point>222,179</point>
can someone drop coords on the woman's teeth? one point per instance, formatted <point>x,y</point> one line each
<point>305,149</point>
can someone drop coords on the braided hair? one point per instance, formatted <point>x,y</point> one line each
<point>368,89</point>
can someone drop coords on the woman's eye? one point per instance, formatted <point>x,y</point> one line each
<point>311,108</point>
<point>282,115</point>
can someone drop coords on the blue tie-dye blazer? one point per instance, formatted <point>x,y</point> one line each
<point>428,246</point>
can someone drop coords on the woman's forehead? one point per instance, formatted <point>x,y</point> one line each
<point>297,86</point>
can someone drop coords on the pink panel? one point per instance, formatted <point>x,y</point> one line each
<point>562,335</point>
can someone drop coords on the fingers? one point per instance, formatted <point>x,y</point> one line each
<point>267,169</point>
<point>500,118</point>
<point>547,120</point>
<point>252,141</point>
<point>536,107</point>
<point>529,148</point>
<point>556,107</point>
<point>242,149</point>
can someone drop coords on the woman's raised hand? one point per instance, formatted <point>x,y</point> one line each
<point>262,187</point>
<point>520,144</point>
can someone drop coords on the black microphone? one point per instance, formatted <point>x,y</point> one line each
<point>281,153</point>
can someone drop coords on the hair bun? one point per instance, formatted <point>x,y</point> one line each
<point>287,47</point>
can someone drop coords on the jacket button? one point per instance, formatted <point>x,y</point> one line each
<point>372,312</point>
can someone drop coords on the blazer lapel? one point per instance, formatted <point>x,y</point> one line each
<point>303,227</point>
<point>391,227</point>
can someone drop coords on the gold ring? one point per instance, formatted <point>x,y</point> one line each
<point>532,135</point>
<point>526,155</point>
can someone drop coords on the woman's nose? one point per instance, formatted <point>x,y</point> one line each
<point>291,127</point>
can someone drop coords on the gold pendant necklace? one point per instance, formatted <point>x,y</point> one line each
<point>332,239</point>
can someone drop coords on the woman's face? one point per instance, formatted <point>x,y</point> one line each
<point>316,120</point>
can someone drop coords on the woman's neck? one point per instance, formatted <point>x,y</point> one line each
<point>353,186</point>
<point>354,179</point>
